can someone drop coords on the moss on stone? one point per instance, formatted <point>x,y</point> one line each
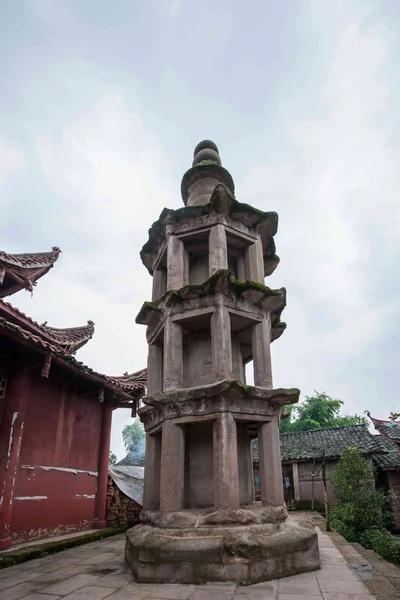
<point>147,308</point>
<point>15,556</point>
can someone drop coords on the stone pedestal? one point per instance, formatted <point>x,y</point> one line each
<point>211,314</point>
<point>245,554</point>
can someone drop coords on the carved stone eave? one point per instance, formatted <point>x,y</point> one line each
<point>222,282</point>
<point>244,401</point>
<point>223,202</point>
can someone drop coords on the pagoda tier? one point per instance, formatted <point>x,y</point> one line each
<point>21,271</point>
<point>211,314</point>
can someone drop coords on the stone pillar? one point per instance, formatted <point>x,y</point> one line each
<point>260,341</point>
<point>269,451</point>
<point>221,343</point>
<point>176,264</point>
<point>151,486</point>
<point>255,262</point>
<point>245,464</point>
<point>159,283</point>
<point>11,432</point>
<point>173,358</point>
<point>99,521</point>
<point>226,477</point>
<point>172,467</point>
<point>218,252</point>
<point>296,482</point>
<point>154,369</point>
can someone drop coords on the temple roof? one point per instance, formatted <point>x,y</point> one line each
<point>21,271</point>
<point>68,339</point>
<point>310,445</point>
<point>389,429</point>
<point>127,387</point>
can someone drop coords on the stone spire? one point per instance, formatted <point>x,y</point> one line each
<point>211,314</point>
<point>199,182</point>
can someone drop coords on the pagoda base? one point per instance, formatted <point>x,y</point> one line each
<point>244,554</point>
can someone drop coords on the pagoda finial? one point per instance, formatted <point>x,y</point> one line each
<point>206,151</point>
<point>207,172</point>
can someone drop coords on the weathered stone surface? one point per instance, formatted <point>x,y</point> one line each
<point>247,554</point>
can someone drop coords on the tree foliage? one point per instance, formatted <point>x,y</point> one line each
<point>112,459</point>
<point>133,436</point>
<point>318,412</point>
<point>361,508</point>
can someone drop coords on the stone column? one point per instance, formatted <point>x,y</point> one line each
<point>226,477</point>
<point>245,464</point>
<point>100,510</point>
<point>269,451</point>
<point>260,341</point>
<point>172,467</point>
<point>296,482</point>
<point>159,283</point>
<point>154,369</point>
<point>151,486</point>
<point>218,252</point>
<point>173,358</point>
<point>11,432</point>
<point>221,343</point>
<point>176,264</point>
<point>255,262</point>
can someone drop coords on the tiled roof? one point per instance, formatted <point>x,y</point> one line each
<point>131,389</point>
<point>389,429</point>
<point>67,339</point>
<point>19,271</point>
<point>134,381</point>
<point>135,458</point>
<point>309,445</point>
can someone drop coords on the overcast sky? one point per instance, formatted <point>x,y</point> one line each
<point>102,103</point>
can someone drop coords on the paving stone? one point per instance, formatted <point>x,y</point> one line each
<point>19,591</point>
<point>212,594</point>
<point>250,593</point>
<point>17,578</point>
<point>175,591</point>
<point>336,575</point>
<point>304,584</point>
<point>133,591</point>
<point>333,596</point>
<point>299,597</point>
<point>90,592</point>
<point>115,580</point>
<point>96,558</point>
<point>346,587</point>
<point>41,597</point>
<point>70,585</point>
<point>60,574</point>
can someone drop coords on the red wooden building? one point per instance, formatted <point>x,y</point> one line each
<point>55,417</point>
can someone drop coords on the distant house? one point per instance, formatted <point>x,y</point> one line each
<point>134,458</point>
<point>390,430</point>
<point>302,454</point>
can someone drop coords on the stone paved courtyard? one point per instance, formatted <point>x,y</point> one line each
<point>97,570</point>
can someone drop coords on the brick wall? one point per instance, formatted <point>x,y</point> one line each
<point>121,510</point>
<point>394,486</point>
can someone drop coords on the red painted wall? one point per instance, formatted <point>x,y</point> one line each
<point>61,431</point>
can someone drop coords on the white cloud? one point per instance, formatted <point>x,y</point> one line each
<point>111,178</point>
<point>11,159</point>
<point>332,207</point>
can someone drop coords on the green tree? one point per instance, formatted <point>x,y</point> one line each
<point>318,412</point>
<point>361,508</point>
<point>133,435</point>
<point>112,459</point>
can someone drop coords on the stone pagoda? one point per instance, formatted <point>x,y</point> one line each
<point>210,315</point>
